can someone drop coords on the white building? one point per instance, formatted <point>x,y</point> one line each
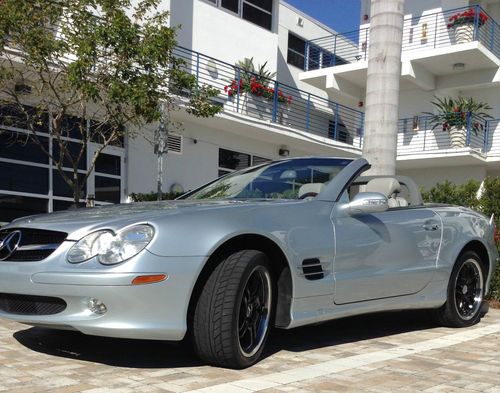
<point>321,75</point>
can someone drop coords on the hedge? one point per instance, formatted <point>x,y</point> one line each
<point>466,195</point>
<point>153,196</point>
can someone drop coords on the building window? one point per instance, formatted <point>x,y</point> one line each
<point>231,5</point>
<point>24,178</point>
<point>296,50</point>
<point>29,180</point>
<point>107,189</point>
<point>230,161</point>
<point>259,12</point>
<point>339,131</point>
<point>14,206</point>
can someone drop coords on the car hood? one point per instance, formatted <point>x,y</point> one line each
<point>79,222</point>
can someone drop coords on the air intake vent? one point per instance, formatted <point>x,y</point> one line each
<point>28,245</point>
<point>174,143</point>
<point>312,269</point>
<point>30,305</point>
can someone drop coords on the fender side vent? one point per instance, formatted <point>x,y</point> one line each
<point>312,269</point>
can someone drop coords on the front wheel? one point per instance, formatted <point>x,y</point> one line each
<point>233,314</point>
<point>465,294</point>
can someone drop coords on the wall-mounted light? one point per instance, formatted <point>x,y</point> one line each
<point>366,17</point>
<point>360,104</point>
<point>458,66</point>
<point>284,151</point>
<point>212,69</point>
<point>424,31</point>
<point>300,22</point>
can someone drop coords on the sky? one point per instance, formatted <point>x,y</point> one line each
<point>340,15</point>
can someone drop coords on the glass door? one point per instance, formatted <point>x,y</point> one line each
<point>107,181</point>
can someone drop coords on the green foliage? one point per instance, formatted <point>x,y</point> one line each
<point>201,104</point>
<point>153,196</point>
<point>260,73</point>
<point>453,194</point>
<point>454,113</point>
<point>104,60</point>
<point>465,195</point>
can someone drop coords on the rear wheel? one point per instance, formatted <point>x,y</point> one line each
<point>464,302</point>
<point>233,314</point>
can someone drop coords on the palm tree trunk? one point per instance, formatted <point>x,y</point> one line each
<point>382,87</point>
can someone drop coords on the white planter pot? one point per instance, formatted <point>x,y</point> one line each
<point>464,33</point>
<point>259,107</point>
<point>255,106</point>
<point>458,137</point>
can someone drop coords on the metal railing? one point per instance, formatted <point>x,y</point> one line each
<point>418,134</point>
<point>336,49</point>
<point>492,137</point>
<point>272,101</point>
<point>436,30</point>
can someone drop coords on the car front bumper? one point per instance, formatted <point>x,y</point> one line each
<point>155,311</point>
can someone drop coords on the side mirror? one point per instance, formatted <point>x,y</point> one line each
<point>368,202</point>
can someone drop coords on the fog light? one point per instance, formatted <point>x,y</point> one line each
<point>96,306</point>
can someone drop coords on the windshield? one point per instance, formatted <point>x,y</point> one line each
<point>289,179</point>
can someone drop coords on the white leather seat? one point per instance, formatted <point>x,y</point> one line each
<point>389,187</point>
<point>310,190</point>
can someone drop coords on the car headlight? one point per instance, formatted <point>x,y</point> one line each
<point>110,248</point>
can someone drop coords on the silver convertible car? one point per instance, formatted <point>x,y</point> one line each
<point>284,244</point>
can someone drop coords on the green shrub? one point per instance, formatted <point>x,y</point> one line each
<point>453,194</point>
<point>466,195</point>
<point>152,196</point>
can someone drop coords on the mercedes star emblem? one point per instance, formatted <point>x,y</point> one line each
<point>9,245</point>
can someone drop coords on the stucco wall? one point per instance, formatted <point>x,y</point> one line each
<point>458,174</point>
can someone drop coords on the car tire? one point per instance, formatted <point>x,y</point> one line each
<point>234,311</point>
<point>465,293</point>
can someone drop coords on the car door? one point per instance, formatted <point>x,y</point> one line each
<point>386,254</point>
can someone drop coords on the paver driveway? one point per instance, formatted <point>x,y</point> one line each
<point>377,353</point>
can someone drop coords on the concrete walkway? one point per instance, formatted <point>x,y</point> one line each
<point>386,352</point>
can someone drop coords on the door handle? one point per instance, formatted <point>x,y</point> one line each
<point>431,226</point>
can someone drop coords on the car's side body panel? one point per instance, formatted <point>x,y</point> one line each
<point>386,254</point>
<point>461,226</point>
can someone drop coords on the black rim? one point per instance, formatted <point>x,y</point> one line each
<point>253,315</point>
<point>469,289</point>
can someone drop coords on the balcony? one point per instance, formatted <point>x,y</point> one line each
<point>295,113</point>
<point>418,139</point>
<point>432,44</point>
<point>273,106</point>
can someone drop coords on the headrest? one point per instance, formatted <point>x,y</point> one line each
<point>310,188</point>
<point>384,185</point>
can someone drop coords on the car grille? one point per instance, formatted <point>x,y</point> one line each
<point>34,244</point>
<point>30,305</point>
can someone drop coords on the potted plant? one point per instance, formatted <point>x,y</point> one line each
<point>456,115</point>
<point>463,24</point>
<point>256,92</point>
